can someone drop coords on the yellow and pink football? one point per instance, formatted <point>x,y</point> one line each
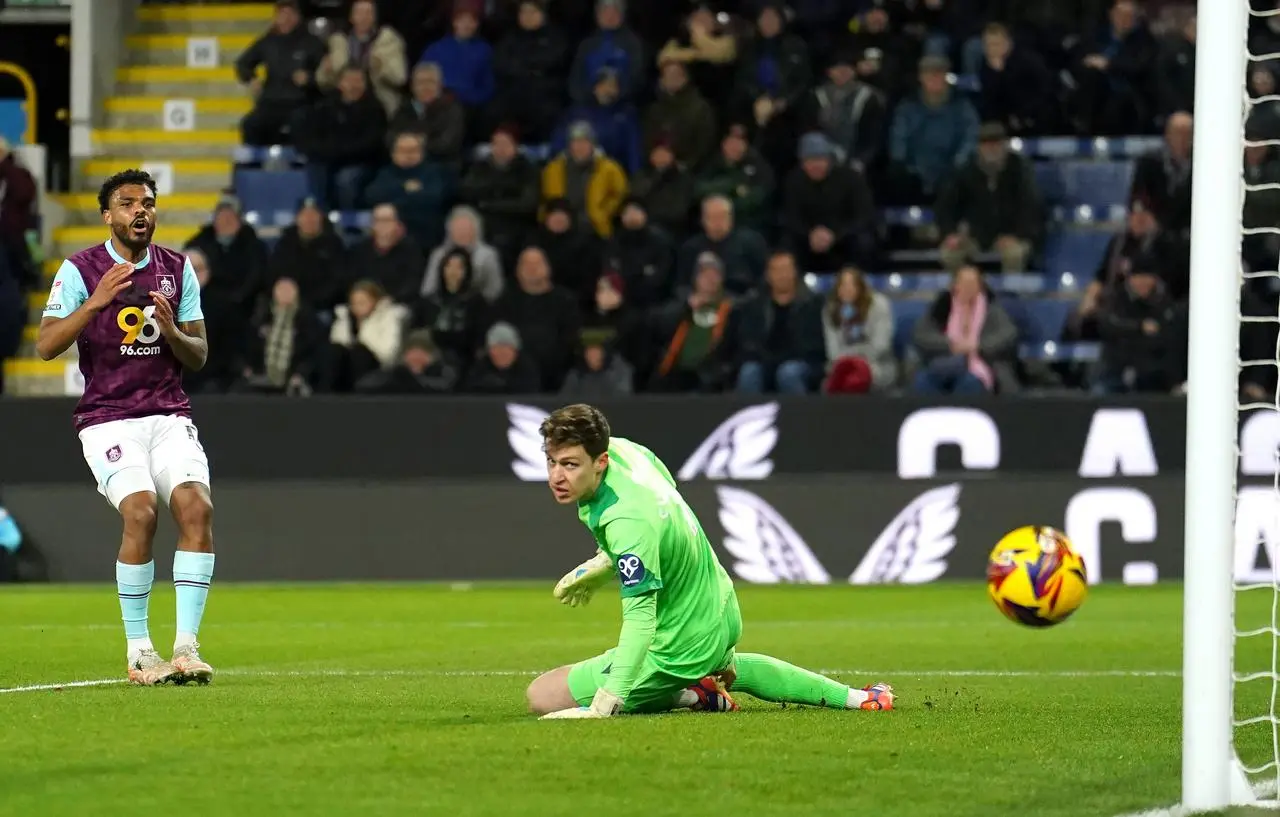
<point>1036,577</point>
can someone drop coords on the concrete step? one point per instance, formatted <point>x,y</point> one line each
<point>206,20</point>
<point>143,144</point>
<point>177,82</point>
<point>147,112</point>
<point>189,175</point>
<point>179,208</point>
<point>33,377</point>
<point>171,49</point>
<point>71,240</point>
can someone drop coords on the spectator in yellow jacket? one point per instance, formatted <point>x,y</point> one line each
<point>594,184</point>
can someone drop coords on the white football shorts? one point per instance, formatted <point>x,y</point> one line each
<point>155,454</point>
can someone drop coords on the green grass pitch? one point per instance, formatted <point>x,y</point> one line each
<point>408,699</point>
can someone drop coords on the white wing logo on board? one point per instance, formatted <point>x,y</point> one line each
<point>914,546</point>
<point>739,448</point>
<point>530,463</point>
<point>765,548</point>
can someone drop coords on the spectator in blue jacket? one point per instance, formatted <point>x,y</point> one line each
<point>419,189</point>
<point>612,46</point>
<point>931,137</point>
<point>614,121</point>
<point>465,59</point>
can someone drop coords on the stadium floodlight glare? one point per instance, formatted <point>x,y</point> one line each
<point>1213,777</point>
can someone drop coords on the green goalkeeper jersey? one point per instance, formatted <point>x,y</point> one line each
<point>658,546</point>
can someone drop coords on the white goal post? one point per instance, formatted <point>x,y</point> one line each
<point>1212,776</point>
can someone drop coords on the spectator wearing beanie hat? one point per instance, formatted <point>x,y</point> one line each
<point>691,331</point>
<point>666,189</point>
<point>740,174</point>
<point>504,368</point>
<point>828,216</point>
<point>421,370</point>
<point>594,184</point>
<point>613,45</point>
<point>613,121</point>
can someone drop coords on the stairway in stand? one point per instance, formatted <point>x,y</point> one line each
<point>175,112</point>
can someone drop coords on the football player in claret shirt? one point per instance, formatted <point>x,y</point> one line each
<point>680,617</point>
<point>132,309</point>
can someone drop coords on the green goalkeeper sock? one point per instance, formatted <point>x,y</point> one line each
<point>769,679</point>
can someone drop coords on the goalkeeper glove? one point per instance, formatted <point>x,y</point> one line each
<point>604,705</point>
<point>578,584</point>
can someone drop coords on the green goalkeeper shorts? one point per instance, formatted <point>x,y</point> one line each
<point>656,689</point>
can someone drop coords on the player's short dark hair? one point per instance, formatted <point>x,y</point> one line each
<point>578,424</point>
<point>114,183</point>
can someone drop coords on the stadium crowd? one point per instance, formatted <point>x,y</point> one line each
<point>702,159</point>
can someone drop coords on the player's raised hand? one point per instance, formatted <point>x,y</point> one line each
<point>112,284</point>
<point>164,314</point>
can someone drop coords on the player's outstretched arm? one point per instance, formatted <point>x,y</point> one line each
<point>71,307</point>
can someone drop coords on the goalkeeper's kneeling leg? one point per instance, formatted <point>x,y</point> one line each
<point>549,692</point>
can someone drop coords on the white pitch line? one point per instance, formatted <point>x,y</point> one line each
<point>100,682</point>
<point>508,673</point>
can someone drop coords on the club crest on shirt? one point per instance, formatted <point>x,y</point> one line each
<point>167,286</point>
<point>113,454</point>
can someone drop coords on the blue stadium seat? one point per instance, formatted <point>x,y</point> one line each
<point>1096,182</point>
<point>1075,181</point>
<point>906,216</point>
<point>270,191</point>
<point>254,154</point>
<point>905,314</point>
<point>1075,147</point>
<point>1083,215</point>
<point>1054,352</point>
<point>1047,317</point>
<point>1075,252</point>
<point>269,222</point>
<point>534,153</point>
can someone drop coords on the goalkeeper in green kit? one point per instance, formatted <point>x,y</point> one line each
<point>680,617</point>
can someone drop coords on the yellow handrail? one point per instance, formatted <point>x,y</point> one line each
<point>28,86</point>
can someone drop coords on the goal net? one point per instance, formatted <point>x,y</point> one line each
<point>1231,652</point>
